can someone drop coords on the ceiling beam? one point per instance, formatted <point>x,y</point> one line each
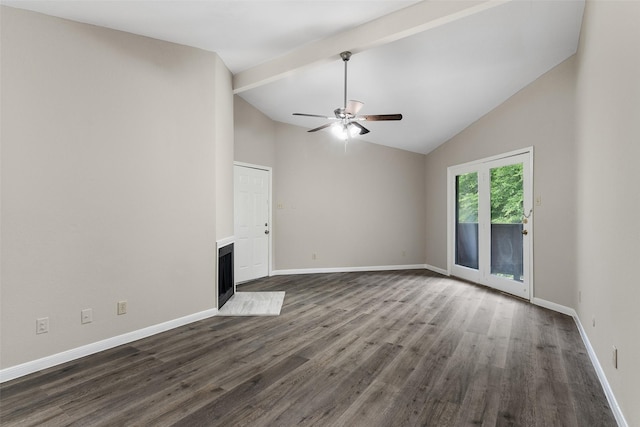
<point>406,22</point>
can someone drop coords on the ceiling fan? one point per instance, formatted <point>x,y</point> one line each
<point>346,123</point>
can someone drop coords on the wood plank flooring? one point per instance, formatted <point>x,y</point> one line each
<point>402,348</point>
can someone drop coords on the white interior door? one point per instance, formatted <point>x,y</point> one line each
<point>251,222</point>
<point>490,205</point>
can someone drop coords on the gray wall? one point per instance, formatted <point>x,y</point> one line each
<point>109,150</point>
<point>583,118</point>
<point>359,208</point>
<point>222,123</point>
<point>542,116</point>
<point>362,207</point>
<point>608,197</point>
<point>254,135</point>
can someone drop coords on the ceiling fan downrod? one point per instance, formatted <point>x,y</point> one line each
<point>346,55</point>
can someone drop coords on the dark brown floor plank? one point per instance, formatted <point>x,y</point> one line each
<point>232,401</point>
<point>397,348</point>
<point>372,406</point>
<point>482,399</point>
<point>328,403</point>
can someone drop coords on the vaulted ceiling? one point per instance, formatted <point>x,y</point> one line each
<point>443,64</point>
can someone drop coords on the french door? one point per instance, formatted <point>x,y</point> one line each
<point>491,222</point>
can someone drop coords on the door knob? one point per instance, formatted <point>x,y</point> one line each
<point>525,232</point>
<point>266,231</point>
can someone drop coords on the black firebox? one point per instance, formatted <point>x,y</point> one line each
<point>225,274</point>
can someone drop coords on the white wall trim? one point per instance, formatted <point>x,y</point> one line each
<point>348,269</point>
<point>96,347</point>
<point>224,242</point>
<point>613,403</point>
<point>611,398</point>
<point>437,270</point>
<point>555,307</point>
<point>252,165</point>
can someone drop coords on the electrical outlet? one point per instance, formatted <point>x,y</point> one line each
<point>615,357</point>
<point>86,316</point>
<point>314,256</point>
<point>579,296</point>
<point>42,325</point>
<point>122,307</point>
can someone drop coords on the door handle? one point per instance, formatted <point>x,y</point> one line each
<point>266,231</point>
<point>525,232</point>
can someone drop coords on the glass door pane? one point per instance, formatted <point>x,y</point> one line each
<point>466,249</point>
<point>507,198</point>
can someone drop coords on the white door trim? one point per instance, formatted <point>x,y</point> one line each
<point>451,198</point>
<point>269,170</point>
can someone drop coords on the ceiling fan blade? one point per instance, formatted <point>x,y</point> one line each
<point>312,115</point>
<point>381,117</point>
<point>353,107</point>
<point>363,130</point>
<point>320,127</point>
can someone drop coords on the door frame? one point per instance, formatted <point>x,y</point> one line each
<point>454,170</point>
<point>269,171</point>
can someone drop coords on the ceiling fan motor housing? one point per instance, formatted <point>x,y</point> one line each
<point>342,114</point>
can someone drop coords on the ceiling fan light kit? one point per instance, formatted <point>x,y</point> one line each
<point>345,132</point>
<point>345,123</point>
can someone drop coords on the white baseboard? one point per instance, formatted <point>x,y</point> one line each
<point>86,350</point>
<point>555,307</point>
<point>613,403</point>
<point>437,270</point>
<point>347,269</point>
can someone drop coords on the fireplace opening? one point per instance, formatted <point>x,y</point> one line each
<point>225,274</point>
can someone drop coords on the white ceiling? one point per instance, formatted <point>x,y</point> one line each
<point>441,74</point>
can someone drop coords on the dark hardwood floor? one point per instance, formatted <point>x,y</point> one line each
<point>406,348</point>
